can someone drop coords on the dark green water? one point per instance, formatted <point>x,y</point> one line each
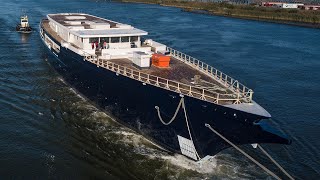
<point>48,131</point>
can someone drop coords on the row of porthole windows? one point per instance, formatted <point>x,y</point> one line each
<point>114,39</point>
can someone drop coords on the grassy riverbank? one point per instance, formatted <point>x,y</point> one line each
<point>288,16</point>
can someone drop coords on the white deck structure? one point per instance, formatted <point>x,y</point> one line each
<point>85,32</point>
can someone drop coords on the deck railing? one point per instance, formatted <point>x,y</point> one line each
<point>188,90</point>
<point>219,76</point>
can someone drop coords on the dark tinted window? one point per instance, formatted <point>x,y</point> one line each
<point>125,39</point>
<point>104,39</point>
<point>115,39</point>
<point>93,40</point>
<point>133,38</point>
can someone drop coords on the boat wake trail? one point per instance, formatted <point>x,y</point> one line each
<point>115,141</point>
<point>103,139</point>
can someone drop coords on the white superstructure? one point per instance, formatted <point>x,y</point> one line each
<point>93,35</point>
<point>24,21</point>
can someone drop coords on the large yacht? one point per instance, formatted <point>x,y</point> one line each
<point>171,98</point>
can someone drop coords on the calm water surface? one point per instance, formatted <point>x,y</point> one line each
<point>47,130</point>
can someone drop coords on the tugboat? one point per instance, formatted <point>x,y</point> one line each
<point>24,26</point>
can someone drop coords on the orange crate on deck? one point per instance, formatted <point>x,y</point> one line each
<point>160,60</point>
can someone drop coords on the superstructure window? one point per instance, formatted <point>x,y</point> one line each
<point>115,39</point>
<point>125,39</point>
<point>93,40</point>
<point>104,39</point>
<point>133,38</point>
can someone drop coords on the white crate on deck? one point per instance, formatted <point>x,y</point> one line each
<point>141,59</point>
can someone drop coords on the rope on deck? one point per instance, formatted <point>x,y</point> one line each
<point>181,103</point>
<point>251,158</point>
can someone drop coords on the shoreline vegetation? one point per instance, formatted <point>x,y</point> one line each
<point>297,17</point>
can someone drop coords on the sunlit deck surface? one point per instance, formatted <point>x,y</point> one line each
<point>178,71</point>
<point>63,19</point>
<point>46,26</point>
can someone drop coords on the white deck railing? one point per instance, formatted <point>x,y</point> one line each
<point>188,90</point>
<point>217,75</point>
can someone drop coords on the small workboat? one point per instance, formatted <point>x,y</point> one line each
<point>24,26</point>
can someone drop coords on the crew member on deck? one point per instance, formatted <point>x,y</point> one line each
<point>97,45</point>
<point>104,45</point>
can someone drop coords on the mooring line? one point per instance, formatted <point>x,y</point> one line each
<point>275,162</point>
<point>251,158</point>
<point>174,116</point>
<point>244,153</point>
<point>181,103</point>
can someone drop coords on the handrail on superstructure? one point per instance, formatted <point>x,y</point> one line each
<point>214,73</point>
<point>188,90</point>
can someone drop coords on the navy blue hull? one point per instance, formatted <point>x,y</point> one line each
<point>133,104</point>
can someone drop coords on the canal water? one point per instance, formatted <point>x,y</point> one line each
<point>47,130</point>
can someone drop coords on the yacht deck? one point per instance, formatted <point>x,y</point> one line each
<point>213,85</point>
<point>46,26</point>
<point>178,71</point>
<point>63,19</point>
